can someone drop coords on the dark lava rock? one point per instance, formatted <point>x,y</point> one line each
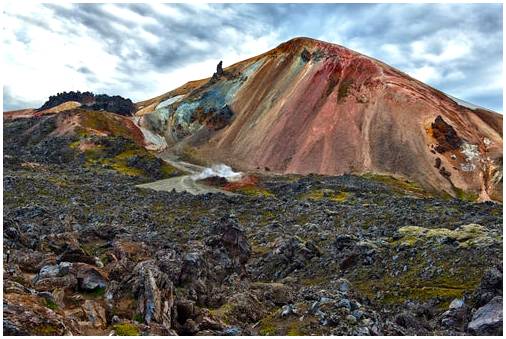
<point>81,97</point>
<point>488,319</point>
<point>288,255</point>
<point>154,293</point>
<point>437,163</point>
<point>219,69</point>
<point>219,72</point>
<point>444,172</point>
<point>114,104</point>
<point>490,286</point>
<point>238,248</point>
<point>455,317</point>
<point>177,263</point>
<point>445,135</point>
<point>305,55</point>
<point>88,277</point>
<point>409,321</point>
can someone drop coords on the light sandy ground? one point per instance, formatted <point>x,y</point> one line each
<point>183,183</point>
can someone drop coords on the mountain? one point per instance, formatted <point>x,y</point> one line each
<point>308,106</point>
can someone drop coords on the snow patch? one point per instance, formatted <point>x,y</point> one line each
<point>219,170</point>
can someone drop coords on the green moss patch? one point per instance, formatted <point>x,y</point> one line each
<point>254,191</point>
<point>448,279</point>
<point>125,157</point>
<point>222,312</point>
<point>126,329</point>
<point>466,196</point>
<point>274,324</point>
<point>51,304</point>
<point>327,194</point>
<point>139,318</point>
<point>398,184</point>
<point>105,122</point>
<point>471,235</point>
<point>96,293</point>
<point>46,330</point>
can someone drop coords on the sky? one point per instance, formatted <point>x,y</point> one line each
<point>143,50</point>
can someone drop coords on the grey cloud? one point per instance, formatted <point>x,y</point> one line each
<point>175,48</point>
<point>369,26</point>
<point>84,70</point>
<point>13,102</point>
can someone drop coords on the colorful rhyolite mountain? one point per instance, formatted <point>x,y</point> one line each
<point>309,106</point>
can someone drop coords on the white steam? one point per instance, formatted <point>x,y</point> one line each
<point>219,170</point>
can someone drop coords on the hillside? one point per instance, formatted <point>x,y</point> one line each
<point>309,106</point>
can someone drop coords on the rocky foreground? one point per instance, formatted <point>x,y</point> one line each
<point>88,253</point>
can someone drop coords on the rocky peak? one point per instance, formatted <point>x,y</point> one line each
<point>219,72</point>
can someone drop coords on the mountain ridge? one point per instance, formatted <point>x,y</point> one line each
<point>305,73</point>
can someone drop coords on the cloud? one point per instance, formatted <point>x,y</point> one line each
<point>143,50</point>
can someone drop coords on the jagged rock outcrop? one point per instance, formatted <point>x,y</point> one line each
<point>25,314</point>
<point>219,71</point>
<point>85,98</point>
<point>154,293</point>
<point>88,100</point>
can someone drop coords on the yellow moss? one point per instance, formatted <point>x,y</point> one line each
<point>103,122</point>
<point>58,181</point>
<point>324,194</point>
<point>314,281</point>
<point>222,313</point>
<point>75,144</point>
<point>46,330</point>
<point>273,324</point>
<point>339,197</point>
<point>126,329</point>
<point>254,191</point>
<point>168,170</point>
<point>294,329</point>
<point>424,293</point>
<point>398,184</point>
<point>466,235</point>
<point>267,325</point>
<point>466,196</point>
<point>448,282</point>
<point>260,250</point>
<point>267,329</point>
<point>123,169</point>
<point>119,163</point>
<point>267,215</point>
<point>95,152</point>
